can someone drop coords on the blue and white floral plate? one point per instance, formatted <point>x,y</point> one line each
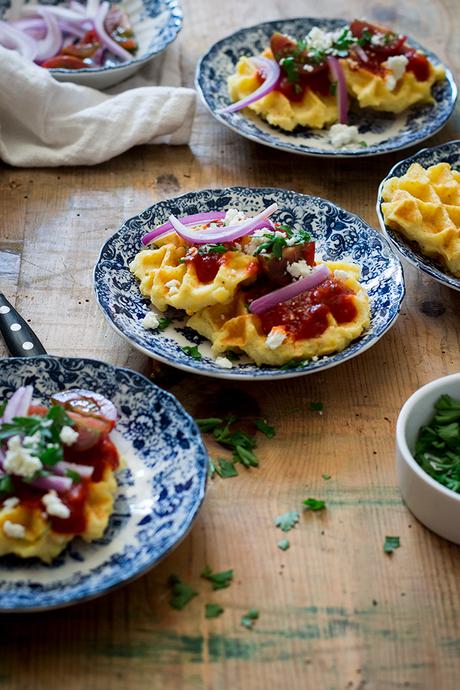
<point>156,24</point>
<point>338,234</point>
<point>160,489</point>
<point>382,132</point>
<point>445,153</point>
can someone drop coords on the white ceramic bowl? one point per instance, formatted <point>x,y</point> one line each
<point>437,507</point>
<point>156,24</point>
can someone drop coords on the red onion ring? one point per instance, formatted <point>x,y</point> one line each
<point>341,91</point>
<point>59,484</point>
<point>63,467</point>
<point>225,234</point>
<point>361,53</point>
<point>18,404</point>
<point>104,37</point>
<point>317,276</point>
<point>271,71</point>
<point>13,39</point>
<point>195,218</point>
<point>51,44</point>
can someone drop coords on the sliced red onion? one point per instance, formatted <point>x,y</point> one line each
<point>361,53</point>
<point>86,402</point>
<point>271,72</point>
<point>92,7</point>
<point>58,11</point>
<point>317,276</point>
<point>13,39</point>
<point>51,44</point>
<point>341,89</point>
<point>59,484</point>
<point>72,28</point>
<point>224,234</point>
<point>194,219</point>
<point>104,37</point>
<point>77,7</point>
<point>18,404</point>
<point>63,467</point>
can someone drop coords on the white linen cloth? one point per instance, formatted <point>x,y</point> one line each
<point>44,122</point>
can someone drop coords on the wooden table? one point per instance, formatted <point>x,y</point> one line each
<point>335,611</point>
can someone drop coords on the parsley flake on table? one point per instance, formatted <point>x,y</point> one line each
<point>314,504</point>
<point>225,468</point>
<point>283,544</point>
<point>192,351</point>
<point>212,610</point>
<point>182,593</point>
<point>316,406</point>
<point>209,424</point>
<point>249,618</point>
<point>220,580</point>
<point>326,476</point>
<point>391,543</point>
<point>287,521</point>
<point>266,429</point>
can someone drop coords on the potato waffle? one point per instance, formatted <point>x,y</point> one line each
<point>40,540</point>
<point>232,327</point>
<point>371,90</point>
<point>168,281</point>
<point>313,110</point>
<point>424,205</point>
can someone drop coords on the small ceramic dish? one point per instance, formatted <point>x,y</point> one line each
<point>339,235</point>
<point>382,132</point>
<point>156,24</point>
<point>160,489</point>
<point>436,506</point>
<point>445,153</point>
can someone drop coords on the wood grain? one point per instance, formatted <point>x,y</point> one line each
<point>335,612</point>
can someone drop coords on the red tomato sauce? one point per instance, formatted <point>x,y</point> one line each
<point>103,454</point>
<point>306,316</point>
<point>206,265</point>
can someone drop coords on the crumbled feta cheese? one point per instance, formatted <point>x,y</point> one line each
<point>14,530</point>
<point>308,68</point>
<point>378,39</point>
<point>31,441</point>
<point>150,320</point>
<point>11,502</point>
<point>314,358</point>
<point>319,39</point>
<point>68,435</point>
<point>224,362</point>
<point>341,135</point>
<point>234,217</point>
<point>19,460</point>
<point>54,505</point>
<point>396,64</point>
<point>299,269</point>
<point>342,275</point>
<point>258,237</point>
<point>173,287</point>
<point>275,338</point>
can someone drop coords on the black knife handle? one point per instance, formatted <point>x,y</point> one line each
<point>20,339</point>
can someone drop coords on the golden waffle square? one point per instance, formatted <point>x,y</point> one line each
<point>232,327</point>
<point>424,206</point>
<point>168,281</point>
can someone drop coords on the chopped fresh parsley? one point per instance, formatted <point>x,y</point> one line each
<point>391,543</point>
<point>326,476</point>
<point>74,476</point>
<point>218,580</point>
<point>294,363</point>
<point>290,68</point>
<point>182,593</point>
<point>41,434</point>
<point>274,242</point>
<point>6,484</point>
<point>437,449</point>
<point>213,249</point>
<point>363,144</point>
<point>266,429</point>
<point>314,504</point>
<point>287,521</point>
<point>192,351</point>
<point>225,468</point>
<point>209,424</point>
<point>232,356</point>
<point>241,443</point>
<point>249,618</point>
<point>211,469</point>
<point>212,610</point>
<point>366,37</point>
<point>316,406</point>
<point>164,322</point>
<point>283,544</point>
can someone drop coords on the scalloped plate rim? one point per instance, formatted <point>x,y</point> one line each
<point>278,373</point>
<point>335,153</point>
<point>191,517</point>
